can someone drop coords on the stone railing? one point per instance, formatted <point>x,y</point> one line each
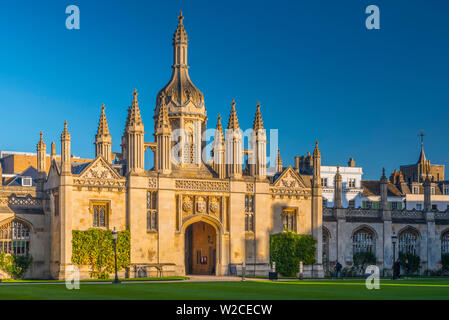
<point>359,212</point>
<point>407,214</point>
<point>202,185</point>
<point>443,215</point>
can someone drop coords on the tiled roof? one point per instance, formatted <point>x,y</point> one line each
<point>372,188</point>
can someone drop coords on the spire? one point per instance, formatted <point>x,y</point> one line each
<point>258,122</point>
<point>65,135</point>
<point>103,127</point>
<point>233,120</point>
<point>384,177</point>
<point>422,155</point>
<point>219,128</point>
<point>338,175</point>
<point>53,152</point>
<point>316,151</point>
<point>134,112</point>
<point>41,154</point>
<point>41,144</point>
<point>279,164</point>
<point>163,122</point>
<point>180,35</point>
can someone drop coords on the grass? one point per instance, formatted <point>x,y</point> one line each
<point>97,280</point>
<point>432,289</point>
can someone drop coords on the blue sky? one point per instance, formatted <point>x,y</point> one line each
<point>315,68</point>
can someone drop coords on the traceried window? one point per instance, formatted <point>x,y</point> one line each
<point>445,243</point>
<point>152,216</point>
<point>289,219</point>
<point>15,238</point>
<point>363,241</point>
<point>409,242</point>
<point>100,213</point>
<point>249,213</point>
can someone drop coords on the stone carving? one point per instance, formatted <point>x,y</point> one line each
<point>99,175</point>
<point>202,185</point>
<point>98,171</point>
<point>187,204</point>
<point>214,207</point>
<point>152,183</point>
<point>201,205</point>
<point>250,187</point>
<point>289,181</point>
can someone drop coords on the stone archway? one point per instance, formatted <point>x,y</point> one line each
<point>200,249</point>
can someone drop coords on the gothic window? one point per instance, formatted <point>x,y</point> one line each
<point>100,213</point>
<point>152,216</point>
<point>409,241</point>
<point>351,203</point>
<point>445,243</point>
<point>363,240</point>
<point>326,243</point>
<point>15,238</point>
<point>289,219</point>
<point>249,213</point>
<point>249,203</point>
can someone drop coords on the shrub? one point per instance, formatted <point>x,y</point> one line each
<point>362,260</point>
<point>95,247</point>
<point>413,259</point>
<point>287,249</point>
<point>14,265</point>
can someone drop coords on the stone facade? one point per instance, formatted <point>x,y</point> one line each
<point>187,215</point>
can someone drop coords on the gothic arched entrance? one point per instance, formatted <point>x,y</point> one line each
<point>200,249</point>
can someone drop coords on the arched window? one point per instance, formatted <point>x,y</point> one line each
<point>363,240</point>
<point>15,238</point>
<point>445,243</point>
<point>409,241</point>
<point>326,237</point>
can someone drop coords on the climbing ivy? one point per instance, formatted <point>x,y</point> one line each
<point>95,247</point>
<point>287,249</point>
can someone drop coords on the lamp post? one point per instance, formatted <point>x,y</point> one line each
<point>394,238</point>
<point>114,238</point>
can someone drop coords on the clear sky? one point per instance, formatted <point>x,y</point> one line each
<point>316,69</point>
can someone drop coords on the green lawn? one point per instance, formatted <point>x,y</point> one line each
<point>322,289</point>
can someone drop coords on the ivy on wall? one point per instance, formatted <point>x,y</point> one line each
<point>15,266</point>
<point>95,247</point>
<point>287,249</point>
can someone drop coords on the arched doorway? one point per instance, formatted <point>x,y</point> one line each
<point>200,249</point>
